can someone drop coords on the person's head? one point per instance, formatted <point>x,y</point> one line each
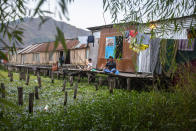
<point>110,59</point>
<point>89,60</point>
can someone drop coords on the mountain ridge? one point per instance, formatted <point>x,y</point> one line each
<point>34,33</point>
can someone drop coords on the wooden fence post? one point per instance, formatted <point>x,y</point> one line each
<point>31,99</point>
<point>64,85</point>
<point>36,92</point>
<point>128,83</point>
<point>65,100</point>
<point>27,80</point>
<point>20,96</point>
<point>3,90</point>
<point>75,90</point>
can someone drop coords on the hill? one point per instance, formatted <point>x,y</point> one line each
<point>33,33</point>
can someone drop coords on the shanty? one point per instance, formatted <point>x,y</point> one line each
<point>107,65</point>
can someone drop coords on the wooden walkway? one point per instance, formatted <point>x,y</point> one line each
<point>122,79</point>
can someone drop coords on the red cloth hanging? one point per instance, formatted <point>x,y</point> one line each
<point>133,33</point>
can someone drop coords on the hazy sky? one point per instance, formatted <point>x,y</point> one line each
<point>88,13</point>
<point>82,13</point>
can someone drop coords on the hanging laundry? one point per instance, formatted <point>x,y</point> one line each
<point>144,61</point>
<point>142,38</point>
<point>90,39</point>
<point>119,47</point>
<point>133,33</point>
<point>154,55</point>
<point>186,44</point>
<point>185,56</point>
<point>110,47</point>
<point>168,50</point>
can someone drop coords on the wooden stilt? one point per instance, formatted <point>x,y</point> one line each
<point>52,77</point>
<point>75,90</point>
<point>11,76</point>
<point>27,80</point>
<point>96,86</point>
<point>71,80</point>
<point>64,85</point>
<point>100,81</point>
<point>36,92</point>
<point>31,99</point>
<point>3,90</point>
<point>20,96</point>
<point>128,83</point>
<point>65,100</point>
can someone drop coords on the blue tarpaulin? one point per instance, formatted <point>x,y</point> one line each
<point>110,47</point>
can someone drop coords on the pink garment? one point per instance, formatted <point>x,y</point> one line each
<point>133,33</point>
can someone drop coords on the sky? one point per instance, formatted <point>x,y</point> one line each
<point>82,13</point>
<point>88,13</point>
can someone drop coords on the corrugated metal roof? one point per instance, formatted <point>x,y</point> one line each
<point>31,48</point>
<point>80,46</point>
<point>45,47</point>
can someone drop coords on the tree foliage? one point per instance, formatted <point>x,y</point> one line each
<point>149,10</point>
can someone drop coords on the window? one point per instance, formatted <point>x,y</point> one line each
<point>87,53</point>
<point>36,57</point>
<point>50,56</point>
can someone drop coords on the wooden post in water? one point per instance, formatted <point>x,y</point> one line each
<point>27,80</point>
<point>111,81</point>
<point>71,80</point>
<point>128,83</point>
<point>89,78</point>
<point>20,96</point>
<point>31,99</point>
<point>3,90</point>
<point>23,76</point>
<point>58,75</point>
<point>75,90</point>
<point>96,86</point>
<point>63,75</point>
<point>65,100</point>
<point>79,78</point>
<point>64,85</point>
<point>39,80</point>
<point>9,73</point>
<point>20,75</point>
<point>36,92</point>
<point>100,81</point>
<point>52,77</point>
<point>11,76</point>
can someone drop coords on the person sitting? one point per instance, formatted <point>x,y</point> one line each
<point>110,66</point>
<point>89,65</point>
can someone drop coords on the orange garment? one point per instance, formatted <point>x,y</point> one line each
<point>55,67</point>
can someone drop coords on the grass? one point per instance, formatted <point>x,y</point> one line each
<point>95,110</point>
